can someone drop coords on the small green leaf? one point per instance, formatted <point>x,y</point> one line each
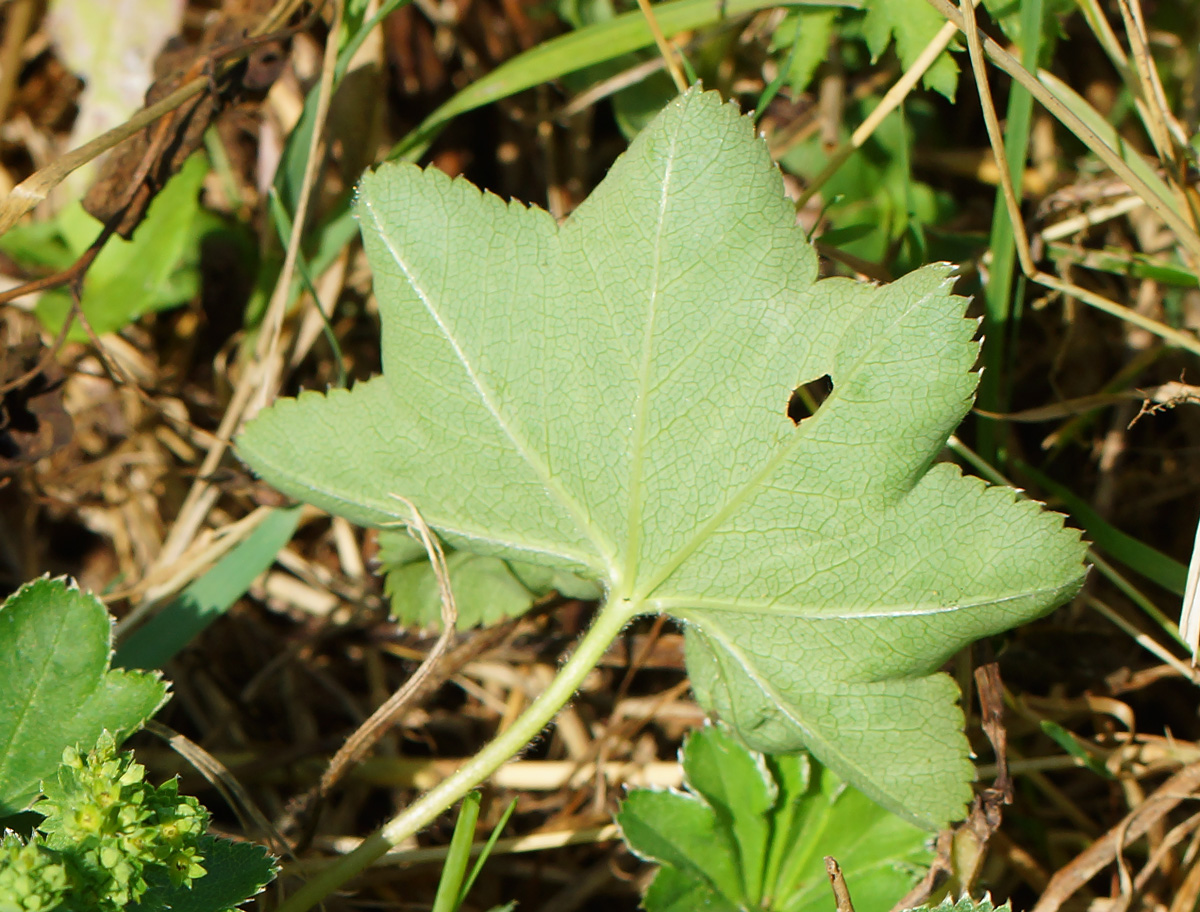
<point>187,615</point>
<point>810,814</point>
<point>236,871</point>
<point>674,891</point>
<point>881,854</point>
<point>736,785</point>
<point>682,832</point>
<point>56,689</point>
<point>485,591</point>
<point>913,23</point>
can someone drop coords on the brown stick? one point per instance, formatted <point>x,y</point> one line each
<point>841,893</point>
<point>1103,851</point>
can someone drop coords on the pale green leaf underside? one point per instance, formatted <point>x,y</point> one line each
<point>608,396</point>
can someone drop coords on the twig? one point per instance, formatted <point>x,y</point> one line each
<point>890,101</point>
<point>374,728</point>
<point>664,46</point>
<point>1104,850</point>
<point>16,28</point>
<point>841,893</point>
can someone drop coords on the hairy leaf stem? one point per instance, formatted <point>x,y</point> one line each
<point>609,622</point>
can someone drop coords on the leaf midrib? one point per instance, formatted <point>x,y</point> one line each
<point>684,606</point>
<point>603,545</point>
<point>813,740</point>
<point>637,475</point>
<point>754,483</point>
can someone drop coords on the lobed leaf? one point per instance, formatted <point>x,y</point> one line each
<point>56,689</point>
<point>610,397</point>
<point>913,24</point>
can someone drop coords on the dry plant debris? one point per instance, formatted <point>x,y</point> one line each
<point>1101,733</point>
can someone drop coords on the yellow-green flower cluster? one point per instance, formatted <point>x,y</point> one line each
<point>107,830</point>
<point>32,877</point>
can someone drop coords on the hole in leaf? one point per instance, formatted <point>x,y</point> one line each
<point>806,399</point>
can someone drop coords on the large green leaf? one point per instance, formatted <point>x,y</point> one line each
<point>56,689</point>
<point>609,396</point>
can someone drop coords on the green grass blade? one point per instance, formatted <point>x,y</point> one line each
<point>780,78</point>
<point>486,851</point>
<point>184,618</point>
<point>283,228</point>
<point>998,291</point>
<point>1073,746</point>
<point>578,50</point>
<point>449,891</point>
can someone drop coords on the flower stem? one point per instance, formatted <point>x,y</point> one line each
<point>610,620</point>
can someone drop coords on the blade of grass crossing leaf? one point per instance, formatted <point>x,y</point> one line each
<point>998,290</point>
<point>183,619</point>
<point>486,851</point>
<point>575,51</point>
<point>449,892</point>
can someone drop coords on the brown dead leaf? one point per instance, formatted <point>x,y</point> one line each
<point>33,423</point>
<point>137,170</point>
